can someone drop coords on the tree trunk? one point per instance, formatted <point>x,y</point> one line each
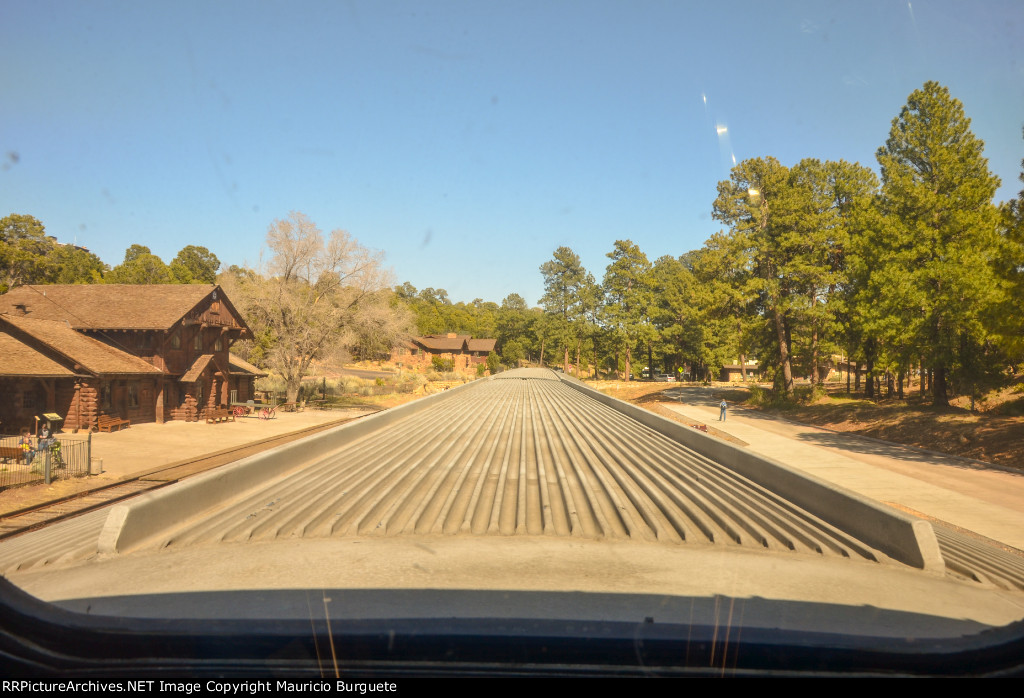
<point>815,376</point>
<point>743,358</point>
<point>650,361</point>
<point>939,396</point>
<point>869,383</point>
<point>629,351</point>
<point>579,347</point>
<point>899,394</point>
<point>565,360</point>
<point>787,369</point>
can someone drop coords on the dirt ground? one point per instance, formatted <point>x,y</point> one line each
<point>995,435</point>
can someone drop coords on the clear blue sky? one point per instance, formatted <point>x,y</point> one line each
<point>467,140</point>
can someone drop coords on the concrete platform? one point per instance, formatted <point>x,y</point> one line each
<point>143,447</point>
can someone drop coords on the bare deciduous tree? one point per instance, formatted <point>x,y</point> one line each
<point>315,299</point>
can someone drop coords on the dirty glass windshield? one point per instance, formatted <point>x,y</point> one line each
<point>558,263</point>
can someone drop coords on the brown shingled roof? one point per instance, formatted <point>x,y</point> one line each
<point>481,344</point>
<point>241,367</point>
<point>440,344</point>
<point>92,354</point>
<point>196,369</point>
<point>21,360</point>
<point>108,306</point>
<point>461,342</point>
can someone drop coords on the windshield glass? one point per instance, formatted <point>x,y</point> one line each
<point>581,310</point>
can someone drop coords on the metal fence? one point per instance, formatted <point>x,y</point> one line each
<point>61,458</point>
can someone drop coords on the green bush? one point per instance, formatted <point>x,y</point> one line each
<point>440,364</point>
<point>493,363</point>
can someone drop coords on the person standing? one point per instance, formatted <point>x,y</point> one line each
<point>45,437</point>
<point>722,409</point>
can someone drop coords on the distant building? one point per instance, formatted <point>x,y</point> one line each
<point>461,349</point>
<point>734,371</point>
<point>143,353</point>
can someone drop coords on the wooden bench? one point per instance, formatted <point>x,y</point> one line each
<point>11,453</point>
<point>108,423</point>
<point>220,415</point>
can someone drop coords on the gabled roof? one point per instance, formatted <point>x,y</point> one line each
<point>109,306</point>
<point>78,349</point>
<point>196,369</point>
<point>481,344</point>
<point>241,367</point>
<point>458,342</point>
<point>22,361</point>
<point>441,342</point>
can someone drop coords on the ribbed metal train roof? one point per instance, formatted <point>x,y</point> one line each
<point>521,454</point>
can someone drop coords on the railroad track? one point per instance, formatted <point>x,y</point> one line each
<point>35,517</point>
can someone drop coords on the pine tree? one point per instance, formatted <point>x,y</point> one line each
<point>564,278</point>
<point>629,297</point>
<point>935,258</point>
<point>1011,269</point>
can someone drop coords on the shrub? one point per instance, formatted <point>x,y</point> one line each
<point>493,363</point>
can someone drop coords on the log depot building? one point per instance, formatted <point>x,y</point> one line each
<point>142,353</point>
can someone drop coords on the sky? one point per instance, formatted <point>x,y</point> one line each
<point>465,140</point>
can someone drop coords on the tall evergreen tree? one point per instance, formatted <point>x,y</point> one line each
<point>1012,271</point>
<point>564,279</point>
<point>935,258</point>
<point>629,297</point>
<point>757,203</point>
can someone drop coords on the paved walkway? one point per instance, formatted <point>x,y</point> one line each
<point>143,447</point>
<point>987,501</point>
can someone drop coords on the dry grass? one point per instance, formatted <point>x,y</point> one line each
<point>994,433</point>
